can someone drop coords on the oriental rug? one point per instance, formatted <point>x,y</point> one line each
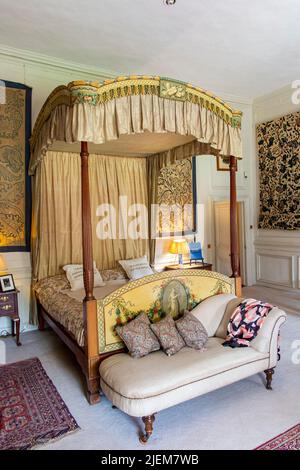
<point>288,440</point>
<point>31,410</point>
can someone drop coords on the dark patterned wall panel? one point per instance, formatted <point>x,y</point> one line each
<point>279,165</point>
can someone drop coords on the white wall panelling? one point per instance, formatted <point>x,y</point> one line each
<point>275,269</point>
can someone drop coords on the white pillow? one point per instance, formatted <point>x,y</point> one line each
<point>136,268</point>
<point>74,273</point>
<point>210,312</point>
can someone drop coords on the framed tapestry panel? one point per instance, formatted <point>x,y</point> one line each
<point>278,144</point>
<point>15,191</point>
<point>177,198</point>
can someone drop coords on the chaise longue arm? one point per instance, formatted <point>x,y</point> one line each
<point>267,339</point>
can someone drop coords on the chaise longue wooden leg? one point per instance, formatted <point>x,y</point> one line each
<point>148,421</point>
<point>269,376</point>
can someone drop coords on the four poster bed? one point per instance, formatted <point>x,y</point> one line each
<point>101,136</point>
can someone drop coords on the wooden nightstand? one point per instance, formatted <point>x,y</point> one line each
<point>9,308</point>
<point>206,266</point>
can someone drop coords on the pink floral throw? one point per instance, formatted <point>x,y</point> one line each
<point>245,322</point>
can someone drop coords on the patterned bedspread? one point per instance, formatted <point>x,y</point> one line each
<point>61,307</point>
<point>65,307</point>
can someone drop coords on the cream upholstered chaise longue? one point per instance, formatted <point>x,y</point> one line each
<point>142,387</point>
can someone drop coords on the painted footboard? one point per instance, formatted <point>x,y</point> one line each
<point>157,295</point>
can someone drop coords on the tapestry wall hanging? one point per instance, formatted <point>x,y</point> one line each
<point>177,190</point>
<point>15,197</point>
<point>279,166</point>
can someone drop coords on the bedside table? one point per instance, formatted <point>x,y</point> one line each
<point>9,308</point>
<point>206,266</point>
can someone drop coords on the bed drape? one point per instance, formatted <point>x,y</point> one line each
<point>76,114</point>
<point>56,231</point>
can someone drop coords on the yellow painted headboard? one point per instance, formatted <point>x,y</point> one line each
<point>157,295</point>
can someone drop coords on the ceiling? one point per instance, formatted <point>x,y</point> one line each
<point>238,47</point>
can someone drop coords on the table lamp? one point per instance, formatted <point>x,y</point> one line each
<point>179,247</point>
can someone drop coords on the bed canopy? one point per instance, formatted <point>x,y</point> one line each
<point>137,116</point>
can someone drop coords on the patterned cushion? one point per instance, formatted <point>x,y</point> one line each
<point>192,331</point>
<point>168,335</point>
<point>138,337</point>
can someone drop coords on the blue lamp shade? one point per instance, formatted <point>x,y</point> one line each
<point>195,251</point>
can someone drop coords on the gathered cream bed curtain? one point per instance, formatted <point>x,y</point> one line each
<point>56,225</point>
<point>134,115</point>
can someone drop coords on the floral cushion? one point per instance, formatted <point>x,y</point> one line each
<point>192,331</point>
<point>168,336</point>
<point>138,337</point>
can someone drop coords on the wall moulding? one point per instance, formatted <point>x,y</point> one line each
<point>276,269</point>
<point>34,58</point>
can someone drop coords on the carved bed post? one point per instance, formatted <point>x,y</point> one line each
<point>89,302</point>
<point>234,251</point>
<point>87,249</point>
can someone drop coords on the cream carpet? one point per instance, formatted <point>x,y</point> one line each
<point>239,416</point>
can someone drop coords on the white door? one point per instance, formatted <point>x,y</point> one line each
<point>222,238</point>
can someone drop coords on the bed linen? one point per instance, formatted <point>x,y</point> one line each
<point>65,306</point>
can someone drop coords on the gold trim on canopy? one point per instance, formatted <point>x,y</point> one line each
<point>101,112</point>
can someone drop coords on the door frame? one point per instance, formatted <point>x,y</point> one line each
<point>249,264</point>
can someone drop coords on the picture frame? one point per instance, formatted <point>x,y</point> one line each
<point>221,165</point>
<point>7,283</point>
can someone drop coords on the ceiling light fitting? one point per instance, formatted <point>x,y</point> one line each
<point>169,2</point>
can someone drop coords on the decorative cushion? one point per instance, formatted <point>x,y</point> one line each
<point>192,331</point>
<point>136,268</point>
<point>211,311</point>
<point>246,322</point>
<point>168,336</point>
<point>74,273</point>
<point>116,274</point>
<point>230,308</point>
<point>138,337</point>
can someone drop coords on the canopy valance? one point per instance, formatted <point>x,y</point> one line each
<point>148,114</point>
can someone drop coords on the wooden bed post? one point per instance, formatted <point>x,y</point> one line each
<point>234,250</point>
<point>87,248</point>
<point>89,302</point>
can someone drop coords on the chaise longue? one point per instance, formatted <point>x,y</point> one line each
<point>143,387</point>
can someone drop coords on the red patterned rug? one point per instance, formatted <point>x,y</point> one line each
<point>288,440</point>
<point>31,410</point>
